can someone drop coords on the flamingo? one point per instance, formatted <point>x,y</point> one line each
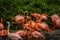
<point>4,33</point>
<point>44,16</point>
<point>36,15</point>
<point>19,19</point>
<point>37,34</point>
<point>30,25</point>
<point>13,36</point>
<point>40,17</point>
<point>42,26</point>
<point>56,20</point>
<point>1,26</point>
<point>21,32</point>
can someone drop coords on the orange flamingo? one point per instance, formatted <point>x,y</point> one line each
<point>42,26</point>
<point>36,15</point>
<point>40,17</point>
<point>4,33</point>
<point>1,26</point>
<point>56,20</point>
<point>30,25</point>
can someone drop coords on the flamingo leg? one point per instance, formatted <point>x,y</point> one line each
<point>47,28</point>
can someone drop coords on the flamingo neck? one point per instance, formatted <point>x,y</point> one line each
<point>8,28</point>
<point>22,25</point>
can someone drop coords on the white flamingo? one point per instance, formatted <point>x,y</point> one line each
<point>13,36</point>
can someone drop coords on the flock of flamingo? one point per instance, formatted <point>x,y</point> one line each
<point>31,29</point>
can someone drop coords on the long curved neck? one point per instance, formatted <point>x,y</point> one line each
<point>8,28</point>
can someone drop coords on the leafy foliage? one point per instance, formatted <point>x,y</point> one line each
<point>9,8</point>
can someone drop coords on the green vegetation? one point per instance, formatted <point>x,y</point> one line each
<point>9,8</point>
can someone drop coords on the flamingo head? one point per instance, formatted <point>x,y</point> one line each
<point>44,16</point>
<point>8,22</point>
<point>54,17</point>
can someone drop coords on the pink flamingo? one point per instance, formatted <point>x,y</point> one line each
<point>56,20</point>
<point>37,34</point>
<point>19,19</point>
<point>44,16</point>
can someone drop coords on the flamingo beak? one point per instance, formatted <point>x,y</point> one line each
<point>7,22</point>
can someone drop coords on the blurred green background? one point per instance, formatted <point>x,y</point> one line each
<point>9,8</point>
